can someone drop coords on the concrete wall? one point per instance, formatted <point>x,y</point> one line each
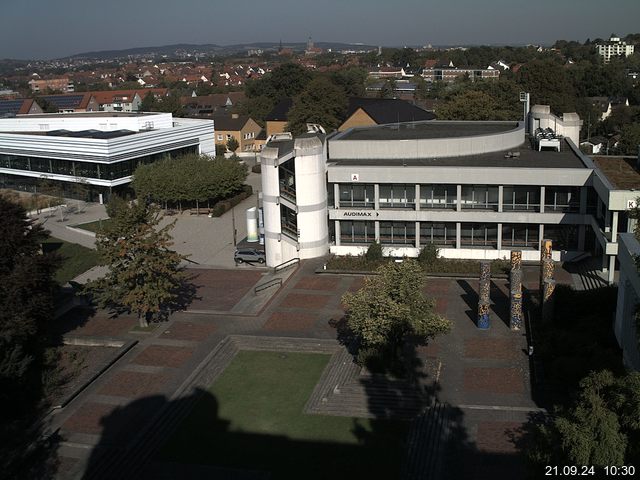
<point>568,126</point>
<point>628,298</point>
<point>428,147</point>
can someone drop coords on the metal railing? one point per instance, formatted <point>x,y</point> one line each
<point>287,264</point>
<point>271,283</point>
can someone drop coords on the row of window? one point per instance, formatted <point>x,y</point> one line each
<point>100,171</point>
<point>471,234</point>
<point>480,197</point>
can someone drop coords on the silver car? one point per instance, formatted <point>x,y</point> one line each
<point>249,255</point>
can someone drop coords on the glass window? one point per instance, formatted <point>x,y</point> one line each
<point>438,196</point>
<point>397,196</point>
<point>521,198</point>
<point>357,232</point>
<point>398,233</point>
<point>480,197</point>
<point>357,195</point>
<point>289,222</point>
<point>40,165</point>
<point>520,235</point>
<point>564,237</point>
<point>562,199</point>
<point>439,234</point>
<point>479,235</point>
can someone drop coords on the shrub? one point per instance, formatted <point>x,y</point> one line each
<point>428,255</point>
<point>256,168</point>
<point>374,252</point>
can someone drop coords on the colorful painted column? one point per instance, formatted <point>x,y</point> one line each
<point>516,259</point>
<point>484,295</point>
<point>546,248</point>
<point>548,302</point>
<point>515,313</point>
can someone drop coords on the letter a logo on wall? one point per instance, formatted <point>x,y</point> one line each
<point>355,177</point>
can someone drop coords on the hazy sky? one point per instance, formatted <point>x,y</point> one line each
<point>55,28</point>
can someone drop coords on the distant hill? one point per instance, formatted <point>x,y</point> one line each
<point>183,48</point>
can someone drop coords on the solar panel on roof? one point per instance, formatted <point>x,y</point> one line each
<point>10,106</point>
<point>66,101</point>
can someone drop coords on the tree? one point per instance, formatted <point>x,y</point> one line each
<point>601,428</point>
<point>390,310</point>
<point>549,84</point>
<point>149,103</point>
<point>388,89</point>
<point>469,105</point>
<point>26,306</point>
<point>232,144</point>
<point>630,139</point>
<point>321,102</point>
<point>220,150</point>
<point>144,274</point>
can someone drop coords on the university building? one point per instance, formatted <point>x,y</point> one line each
<point>100,150</point>
<point>475,190</point>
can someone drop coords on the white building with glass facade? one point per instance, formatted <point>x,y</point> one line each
<point>100,149</point>
<point>474,189</point>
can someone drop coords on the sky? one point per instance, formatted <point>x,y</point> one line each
<point>44,29</point>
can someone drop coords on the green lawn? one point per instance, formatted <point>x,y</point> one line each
<point>93,226</point>
<point>252,418</point>
<point>76,259</point>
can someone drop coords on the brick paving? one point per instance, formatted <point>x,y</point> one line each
<point>497,348</point>
<point>290,321</point>
<point>221,289</point>
<point>164,356</point>
<point>134,384</point>
<point>493,380</point>
<point>185,330</point>
<point>473,368</point>
<point>301,300</point>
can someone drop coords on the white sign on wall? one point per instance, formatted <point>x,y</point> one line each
<point>355,177</point>
<point>631,204</point>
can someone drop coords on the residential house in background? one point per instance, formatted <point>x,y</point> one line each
<point>241,127</point>
<point>450,73</point>
<point>614,48</point>
<point>55,84</point>
<point>606,105</point>
<point>209,105</point>
<point>125,100</point>
<point>277,119</point>
<point>73,102</point>
<point>366,112</point>
<point>20,106</point>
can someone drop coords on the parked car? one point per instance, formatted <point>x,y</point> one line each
<point>249,255</point>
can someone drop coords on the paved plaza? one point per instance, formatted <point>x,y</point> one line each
<point>482,375</point>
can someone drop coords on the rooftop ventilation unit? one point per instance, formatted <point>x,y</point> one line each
<point>280,136</point>
<point>315,128</point>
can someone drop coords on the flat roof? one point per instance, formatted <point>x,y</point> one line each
<point>89,114</point>
<point>620,171</point>
<point>529,158</point>
<point>427,130</point>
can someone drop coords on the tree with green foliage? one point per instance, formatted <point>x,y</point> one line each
<point>630,139</point>
<point>144,275</point>
<point>388,89</point>
<point>149,103</point>
<point>391,310</point>
<point>374,252</point>
<point>46,105</point>
<point>190,178</point>
<point>352,80</point>
<point>320,102</point>
<point>220,150</point>
<point>27,305</point>
<point>232,144</point>
<point>549,84</point>
<point>601,428</point>
<point>470,105</point>
<point>428,255</point>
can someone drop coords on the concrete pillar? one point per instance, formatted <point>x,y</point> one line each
<point>417,196</point>
<point>540,237</point>
<point>581,237</point>
<point>336,195</point>
<point>458,199</point>
<point>541,202</point>
<point>377,227</point>
<point>337,228</point>
<point>417,234</point>
<point>376,195</point>
<point>612,269</point>
<point>583,200</point>
<point>458,235</point>
<point>500,198</point>
<point>499,236</point>
<point>614,227</point>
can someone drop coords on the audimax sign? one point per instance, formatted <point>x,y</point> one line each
<point>360,214</point>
